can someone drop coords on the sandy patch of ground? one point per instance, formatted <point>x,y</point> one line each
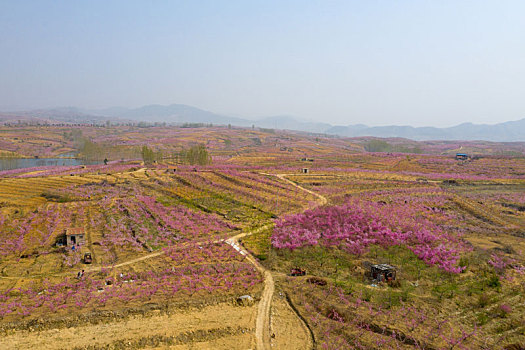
<point>288,330</point>
<point>229,342</point>
<point>222,326</point>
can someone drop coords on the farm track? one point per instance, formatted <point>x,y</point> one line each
<point>129,262</point>
<point>322,199</point>
<point>263,321</point>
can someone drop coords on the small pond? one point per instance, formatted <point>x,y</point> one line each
<point>18,163</point>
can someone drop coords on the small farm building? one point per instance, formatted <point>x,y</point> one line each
<point>383,272</point>
<point>75,236</point>
<point>305,170</point>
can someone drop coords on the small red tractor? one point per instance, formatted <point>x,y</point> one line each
<point>296,271</point>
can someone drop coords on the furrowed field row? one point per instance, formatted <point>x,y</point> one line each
<point>40,184</point>
<point>25,188</point>
<point>238,192</point>
<point>210,201</point>
<point>247,189</point>
<point>201,181</point>
<point>239,185</point>
<point>266,186</point>
<point>272,182</point>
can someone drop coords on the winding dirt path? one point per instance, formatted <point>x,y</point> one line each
<point>88,269</point>
<point>129,262</point>
<point>322,199</point>
<point>263,320</point>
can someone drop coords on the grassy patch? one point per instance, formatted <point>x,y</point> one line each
<point>259,244</point>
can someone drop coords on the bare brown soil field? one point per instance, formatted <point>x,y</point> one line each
<point>288,330</point>
<point>222,326</point>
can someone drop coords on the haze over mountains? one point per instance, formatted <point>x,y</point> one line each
<point>177,114</point>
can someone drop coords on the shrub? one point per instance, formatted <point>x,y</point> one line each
<point>446,290</point>
<point>464,263</point>
<point>334,315</point>
<point>57,197</point>
<point>503,310</point>
<point>261,257</point>
<point>392,298</point>
<point>483,300</point>
<point>482,319</point>
<point>494,281</point>
<point>366,294</point>
<point>394,283</point>
<point>317,281</point>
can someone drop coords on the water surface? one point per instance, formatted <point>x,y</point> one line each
<point>19,163</point>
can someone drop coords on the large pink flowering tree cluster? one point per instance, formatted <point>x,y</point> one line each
<point>358,224</point>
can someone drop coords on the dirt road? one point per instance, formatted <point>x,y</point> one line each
<point>321,199</point>
<point>263,320</point>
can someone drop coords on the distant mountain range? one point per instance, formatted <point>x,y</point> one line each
<point>178,114</point>
<point>502,132</point>
<point>174,113</point>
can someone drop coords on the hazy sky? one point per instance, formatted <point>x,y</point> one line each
<point>415,62</point>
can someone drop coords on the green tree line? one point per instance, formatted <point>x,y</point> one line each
<point>195,155</point>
